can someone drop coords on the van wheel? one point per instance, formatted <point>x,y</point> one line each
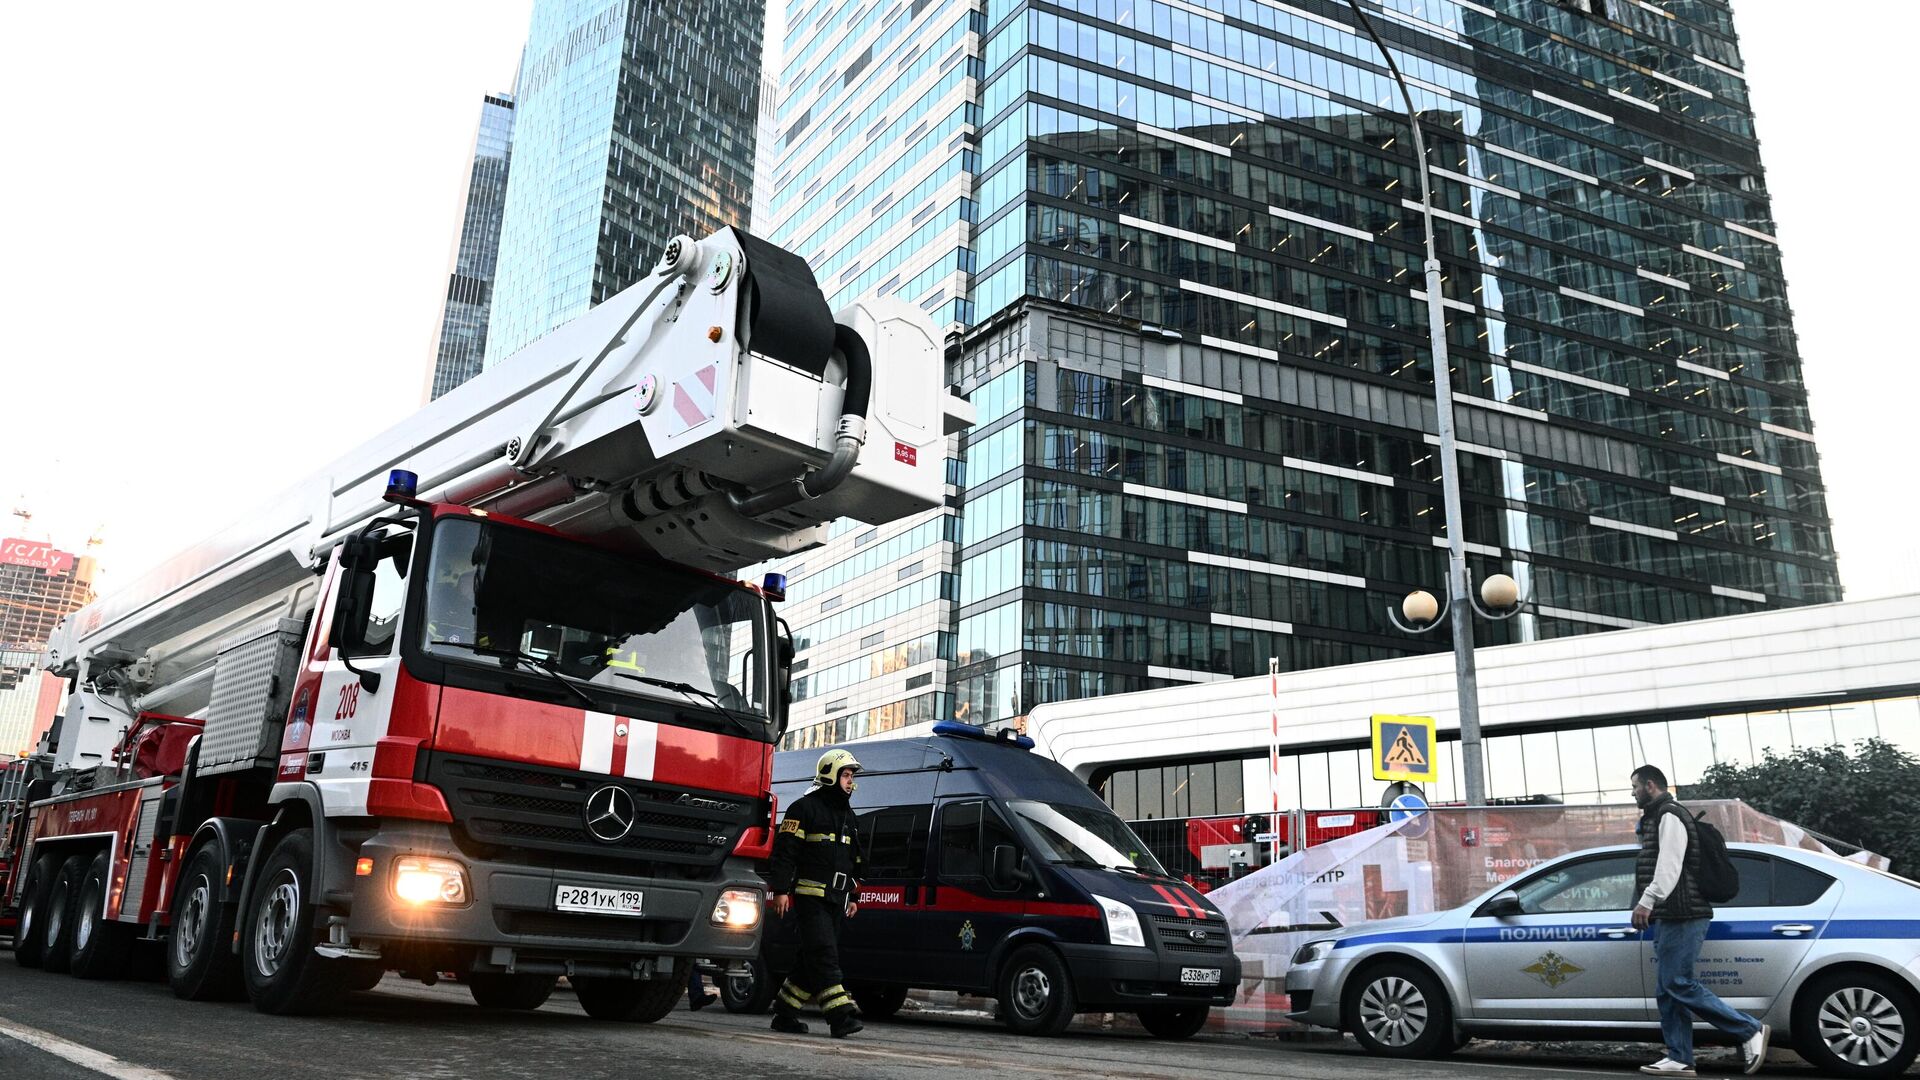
<point>498,990</point>
<point>749,992</point>
<point>29,946</point>
<point>100,944</point>
<point>56,937</point>
<point>1173,1021</point>
<point>1399,1010</point>
<point>201,965</point>
<point>283,974</point>
<point>1856,1023</point>
<point>639,1001</point>
<point>1036,995</point>
<point>878,1002</point>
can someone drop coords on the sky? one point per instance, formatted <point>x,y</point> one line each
<point>227,226</point>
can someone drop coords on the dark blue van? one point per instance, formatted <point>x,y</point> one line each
<point>994,871</point>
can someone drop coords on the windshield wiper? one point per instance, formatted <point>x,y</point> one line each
<point>695,693</point>
<point>528,662</point>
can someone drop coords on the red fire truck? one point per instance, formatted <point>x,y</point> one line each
<point>477,697</point>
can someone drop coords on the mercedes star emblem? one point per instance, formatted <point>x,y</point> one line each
<point>609,813</point>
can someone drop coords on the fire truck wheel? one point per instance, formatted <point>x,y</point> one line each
<point>282,973</point>
<point>28,944</point>
<point>364,975</point>
<point>201,965</point>
<point>498,990</point>
<point>56,935</point>
<point>101,946</point>
<point>639,1001</point>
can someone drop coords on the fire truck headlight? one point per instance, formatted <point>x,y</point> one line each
<point>738,909</point>
<point>421,880</point>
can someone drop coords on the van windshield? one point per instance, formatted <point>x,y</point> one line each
<point>1084,836</point>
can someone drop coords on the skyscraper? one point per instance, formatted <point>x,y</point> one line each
<point>634,121</point>
<point>461,341</point>
<point>1183,238</point>
<point>39,585</point>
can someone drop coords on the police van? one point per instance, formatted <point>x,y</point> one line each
<point>992,870</point>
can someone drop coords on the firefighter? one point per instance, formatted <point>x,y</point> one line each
<point>816,859</point>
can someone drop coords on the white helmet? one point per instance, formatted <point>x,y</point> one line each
<point>827,772</point>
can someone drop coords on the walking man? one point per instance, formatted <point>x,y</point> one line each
<point>1667,879</point>
<point>816,855</point>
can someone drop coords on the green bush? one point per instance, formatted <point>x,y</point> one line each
<point>1869,796</point>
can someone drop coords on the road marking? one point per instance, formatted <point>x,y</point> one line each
<point>84,1056</point>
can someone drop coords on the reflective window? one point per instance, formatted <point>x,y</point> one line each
<point>1605,884</point>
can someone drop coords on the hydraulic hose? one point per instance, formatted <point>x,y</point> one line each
<point>848,439</point>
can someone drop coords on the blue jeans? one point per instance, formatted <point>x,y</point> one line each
<point>1676,945</point>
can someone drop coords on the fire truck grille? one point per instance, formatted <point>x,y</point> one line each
<point>548,924</point>
<point>536,808</point>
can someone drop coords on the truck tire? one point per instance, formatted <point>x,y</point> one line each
<point>1856,1023</point>
<point>750,993</point>
<point>639,1001</point>
<point>1036,993</point>
<point>56,935</point>
<point>201,965</point>
<point>29,946</point>
<point>498,990</point>
<point>283,975</point>
<point>878,1001</point>
<point>101,946</point>
<point>1174,1022</point>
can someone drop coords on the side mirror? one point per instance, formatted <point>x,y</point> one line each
<point>1503,905</point>
<point>354,605</point>
<point>1005,872</point>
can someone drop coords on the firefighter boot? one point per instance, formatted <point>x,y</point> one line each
<point>788,1022</point>
<point>843,1022</point>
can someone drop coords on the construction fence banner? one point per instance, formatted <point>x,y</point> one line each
<point>1423,863</point>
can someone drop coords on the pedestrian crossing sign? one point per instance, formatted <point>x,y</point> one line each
<point>1404,748</point>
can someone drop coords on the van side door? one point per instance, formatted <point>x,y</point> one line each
<point>881,942</point>
<point>967,913</point>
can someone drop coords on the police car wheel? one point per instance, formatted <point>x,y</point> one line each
<point>56,933</point>
<point>750,991</point>
<point>499,990</point>
<point>878,1001</point>
<point>1857,1023</point>
<point>1036,994</point>
<point>1174,1022</point>
<point>28,944</point>
<point>1399,1010</point>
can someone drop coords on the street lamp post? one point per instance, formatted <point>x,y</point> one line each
<point>1472,760</point>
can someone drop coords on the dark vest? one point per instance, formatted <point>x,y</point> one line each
<point>1685,902</point>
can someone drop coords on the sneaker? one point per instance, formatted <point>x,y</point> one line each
<point>845,1026</point>
<point>1754,1051</point>
<point>1667,1067</point>
<point>789,1024</point>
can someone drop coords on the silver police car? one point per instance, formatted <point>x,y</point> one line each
<point>1825,950</point>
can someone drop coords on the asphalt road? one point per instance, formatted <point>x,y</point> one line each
<point>61,1028</point>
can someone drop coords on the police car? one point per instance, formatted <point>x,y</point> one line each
<point>1825,950</point>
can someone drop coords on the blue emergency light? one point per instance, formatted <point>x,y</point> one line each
<point>959,730</point>
<point>775,586</point>
<point>401,485</point>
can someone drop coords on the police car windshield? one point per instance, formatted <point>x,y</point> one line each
<point>1083,836</point>
<point>617,626</point>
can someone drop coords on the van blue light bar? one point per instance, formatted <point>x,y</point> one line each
<point>967,731</point>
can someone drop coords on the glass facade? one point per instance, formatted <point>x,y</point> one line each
<point>1184,241</point>
<point>1576,765</point>
<point>461,343</point>
<point>636,122</point>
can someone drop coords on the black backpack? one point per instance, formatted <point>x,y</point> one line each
<point>1719,879</point>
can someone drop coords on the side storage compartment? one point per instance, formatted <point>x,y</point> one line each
<point>252,689</point>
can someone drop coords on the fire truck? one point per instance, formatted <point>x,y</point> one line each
<point>479,697</point>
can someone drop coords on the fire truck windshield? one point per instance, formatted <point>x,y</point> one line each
<point>620,628</point>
